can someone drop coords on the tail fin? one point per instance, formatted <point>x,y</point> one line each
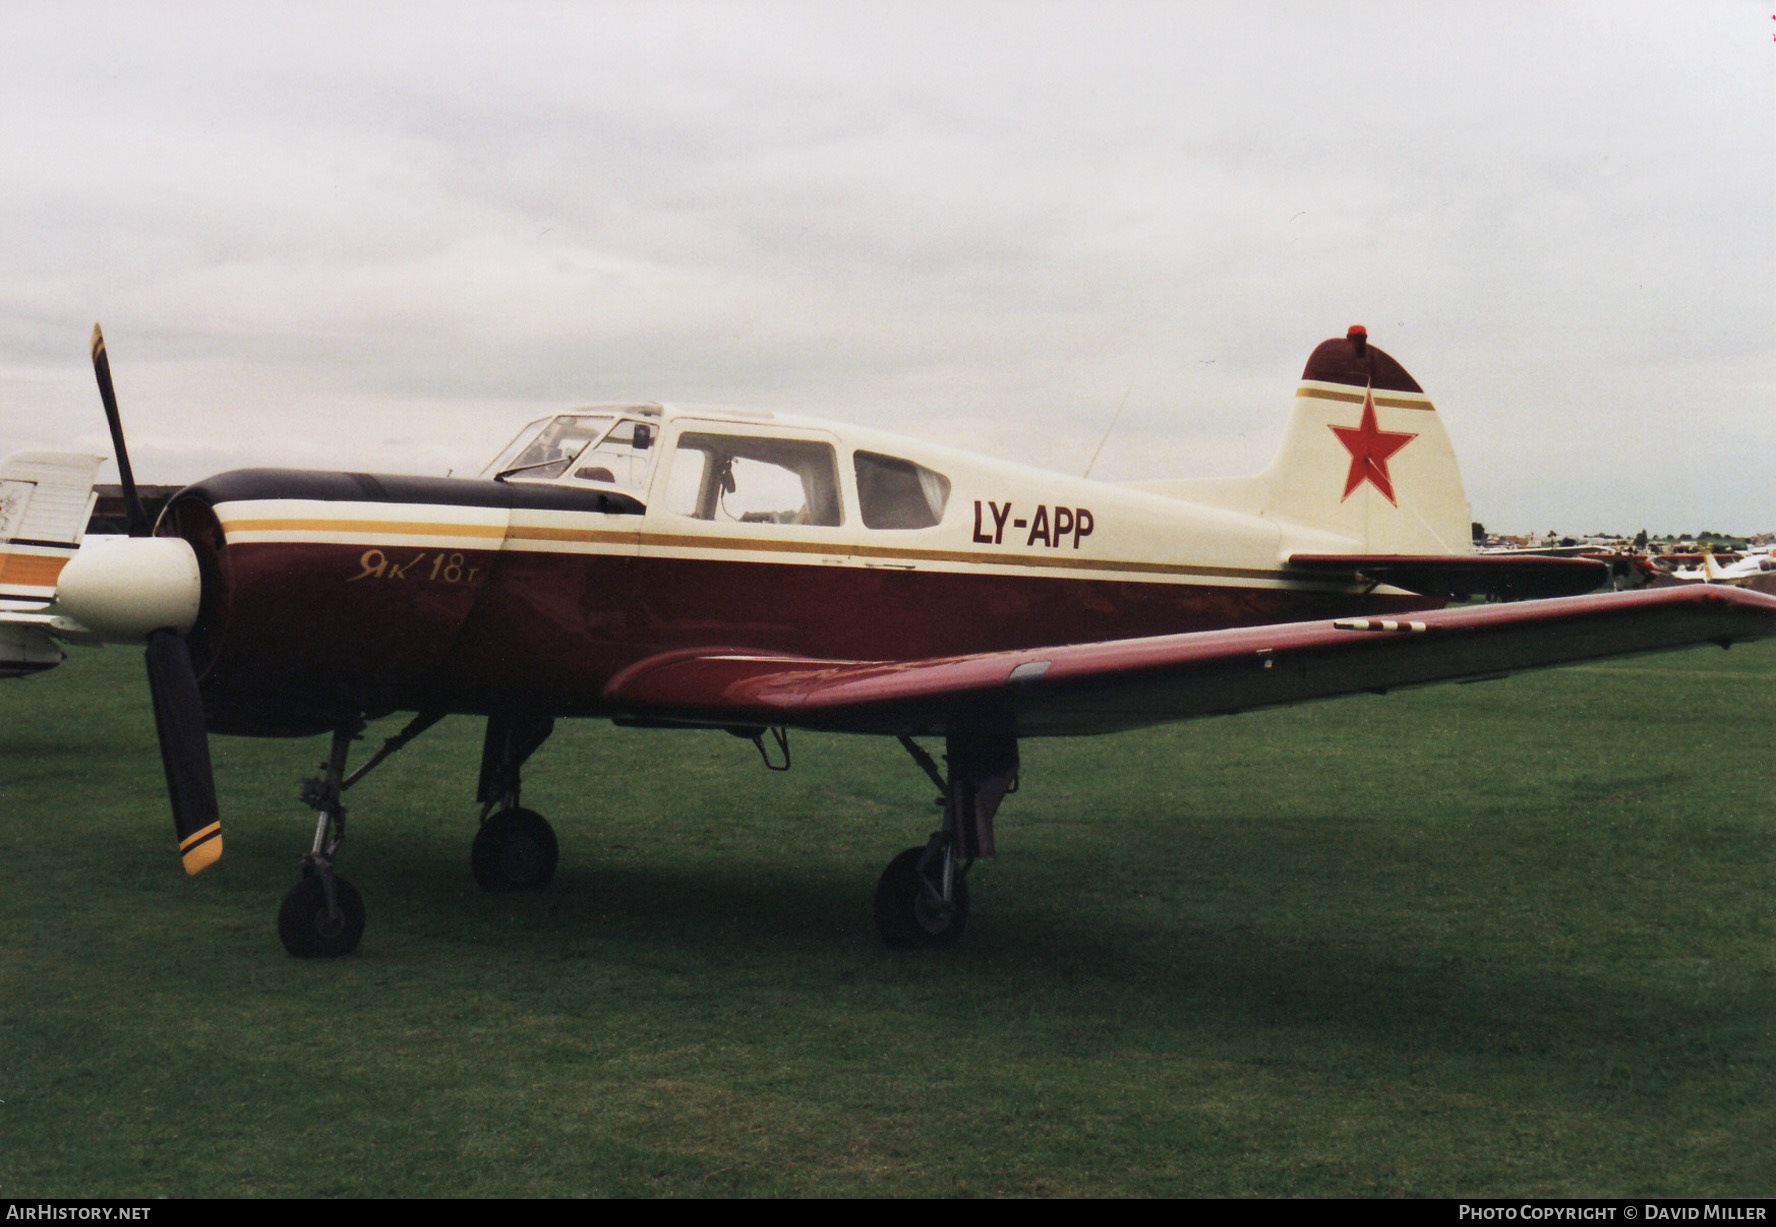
<point>46,499</point>
<point>1365,462</point>
<point>1365,456</point>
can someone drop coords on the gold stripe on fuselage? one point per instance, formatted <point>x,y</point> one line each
<point>976,558</point>
<point>421,528</point>
<point>360,532</point>
<point>594,536</point>
<point>399,528</point>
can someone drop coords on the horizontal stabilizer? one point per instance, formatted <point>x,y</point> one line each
<point>46,498</point>
<point>1461,576</point>
<point>45,501</point>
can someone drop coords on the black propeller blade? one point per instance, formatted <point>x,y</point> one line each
<point>184,750</point>
<point>172,682</point>
<point>132,502</point>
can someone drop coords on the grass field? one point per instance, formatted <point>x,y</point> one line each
<point>1511,938</point>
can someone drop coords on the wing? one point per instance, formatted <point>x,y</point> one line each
<point>1103,687</point>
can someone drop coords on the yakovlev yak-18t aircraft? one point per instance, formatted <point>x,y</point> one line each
<point>689,568</point>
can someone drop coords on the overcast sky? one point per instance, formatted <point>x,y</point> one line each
<point>384,236</point>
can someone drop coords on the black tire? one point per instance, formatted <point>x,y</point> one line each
<point>906,918</point>
<point>514,850</point>
<point>309,931</point>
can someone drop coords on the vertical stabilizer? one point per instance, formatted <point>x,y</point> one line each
<point>1365,466</point>
<point>1365,456</point>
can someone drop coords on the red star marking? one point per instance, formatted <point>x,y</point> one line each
<point>1370,448</point>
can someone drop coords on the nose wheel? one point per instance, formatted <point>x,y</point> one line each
<point>322,917</point>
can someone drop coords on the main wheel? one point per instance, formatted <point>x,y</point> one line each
<point>906,915</point>
<point>514,850</point>
<point>310,931</point>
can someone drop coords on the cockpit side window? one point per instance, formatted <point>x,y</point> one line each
<point>895,493</point>
<point>744,479</point>
<point>620,458</point>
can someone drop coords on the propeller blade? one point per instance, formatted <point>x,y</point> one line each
<point>184,750</point>
<point>172,680</point>
<point>138,515</point>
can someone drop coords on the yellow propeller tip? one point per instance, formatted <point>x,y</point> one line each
<point>197,852</point>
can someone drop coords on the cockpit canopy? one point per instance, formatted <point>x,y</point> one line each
<point>754,471</point>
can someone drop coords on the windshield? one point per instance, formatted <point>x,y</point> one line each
<point>546,447</point>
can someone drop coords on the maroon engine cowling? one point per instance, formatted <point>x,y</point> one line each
<point>300,637</point>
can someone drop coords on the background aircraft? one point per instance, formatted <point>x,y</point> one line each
<point>46,500</point>
<point>1743,573</point>
<point>693,568</point>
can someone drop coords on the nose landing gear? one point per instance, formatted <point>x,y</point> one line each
<point>323,915</point>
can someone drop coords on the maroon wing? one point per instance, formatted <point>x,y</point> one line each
<point>1103,687</point>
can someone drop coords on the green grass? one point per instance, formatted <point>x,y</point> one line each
<point>1511,938</point>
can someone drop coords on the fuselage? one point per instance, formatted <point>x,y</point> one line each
<point>331,595</point>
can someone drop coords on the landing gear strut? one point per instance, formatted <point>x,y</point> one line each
<point>323,915</point>
<point>516,848</point>
<point>922,897</point>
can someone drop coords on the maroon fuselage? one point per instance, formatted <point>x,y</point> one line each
<point>295,637</point>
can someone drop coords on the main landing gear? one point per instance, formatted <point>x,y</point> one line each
<point>323,915</point>
<point>922,897</point>
<point>515,848</point>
